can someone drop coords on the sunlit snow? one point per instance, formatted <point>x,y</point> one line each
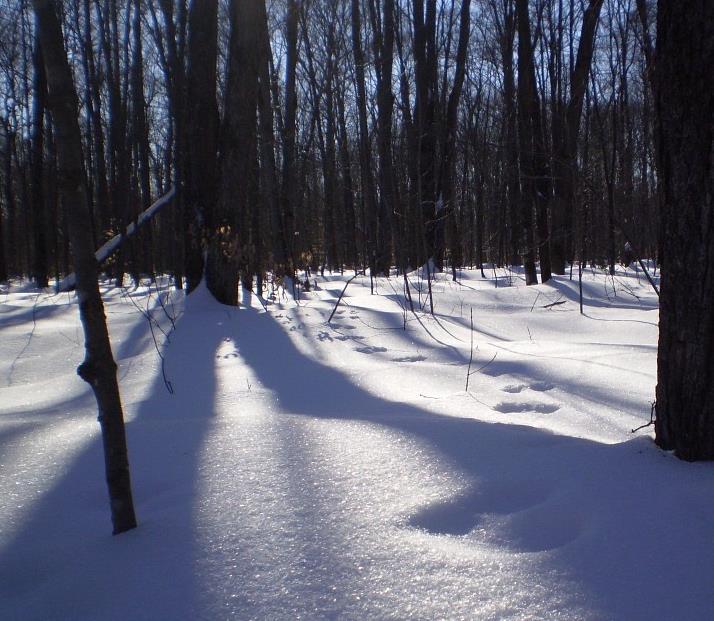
<point>311,470</point>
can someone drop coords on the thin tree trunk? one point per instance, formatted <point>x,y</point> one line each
<point>527,102</point>
<point>368,195</point>
<point>289,181</point>
<point>40,268</point>
<point>98,368</point>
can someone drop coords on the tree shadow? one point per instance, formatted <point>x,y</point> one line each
<point>602,515</point>
<point>592,510</point>
<point>64,563</point>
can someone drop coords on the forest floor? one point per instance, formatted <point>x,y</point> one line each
<point>285,467</point>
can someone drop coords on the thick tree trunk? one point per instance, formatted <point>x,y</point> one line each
<point>202,134</point>
<point>98,368</point>
<point>232,255</point>
<point>685,124</point>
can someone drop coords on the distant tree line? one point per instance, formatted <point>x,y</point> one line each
<point>335,134</point>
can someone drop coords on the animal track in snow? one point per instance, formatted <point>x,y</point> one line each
<point>541,408</point>
<point>537,386</point>
<point>371,350</point>
<point>409,359</point>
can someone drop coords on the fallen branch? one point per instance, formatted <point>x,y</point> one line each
<point>558,303</point>
<point>110,247</point>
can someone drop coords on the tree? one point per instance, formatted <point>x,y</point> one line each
<point>685,129</point>
<point>202,170</point>
<point>98,368</point>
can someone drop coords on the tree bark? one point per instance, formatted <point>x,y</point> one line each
<point>40,267</point>
<point>202,132</point>
<point>367,180</point>
<point>289,181</point>
<point>98,368</point>
<point>685,127</point>
<point>384,51</point>
<point>566,149</point>
<point>528,108</point>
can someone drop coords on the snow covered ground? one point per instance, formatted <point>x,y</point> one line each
<point>306,470</point>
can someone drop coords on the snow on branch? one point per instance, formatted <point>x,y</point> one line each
<point>111,246</point>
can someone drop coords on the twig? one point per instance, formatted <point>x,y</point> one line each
<point>485,365</point>
<point>29,340</point>
<point>534,301</point>
<point>555,303</point>
<point>340,298</point>
<point>652,418</point>
<point>471,357</point>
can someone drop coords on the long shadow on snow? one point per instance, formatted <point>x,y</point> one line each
<point>588,503</point>
<point>593,293</point>
<point>531,369</point>
<point>51,570</point>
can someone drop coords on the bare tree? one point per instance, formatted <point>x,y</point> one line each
<point>98,368</point>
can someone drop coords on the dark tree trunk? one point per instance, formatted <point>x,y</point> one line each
<point>685,124</point>
<point>425,69</point>
<point>528,106</point>
<point>140,133</point>
<point>98,368</point>
<point>40,267</point>
<point>384,50</point>
<point>348,206</point>
<point>230,255</point>
<point>270,191</point>
<point>202,133</point>
<point>565,172</point>
<point>512,185</point>
<point>94,108</point>
<point>3,262</point>
<point>448,161</point>
<point>288,187</point>
<point>365,160</point>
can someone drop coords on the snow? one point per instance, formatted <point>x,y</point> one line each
<point>306,470</point>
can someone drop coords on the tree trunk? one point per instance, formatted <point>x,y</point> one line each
<point>685,126</point>
<point>40,267</point>
<point>384,50</point>
<point>527,103</point>
<point>448,160</point>
<point>288,187</point>
<point>98,368</point>
<point>365,161</point>
<point>566,151</point>
<point>202,133</point>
